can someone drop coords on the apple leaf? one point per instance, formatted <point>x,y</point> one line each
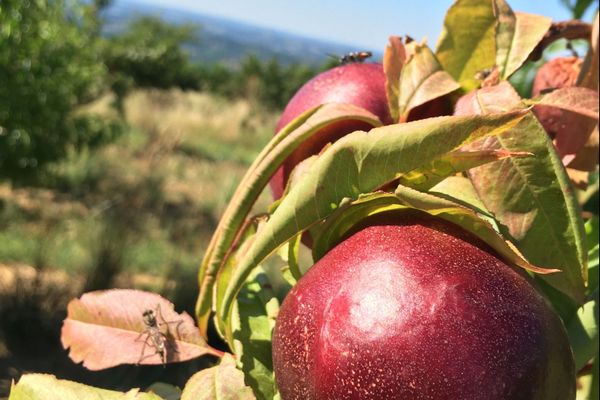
<point>592,232</point>
<point>579,100</point>
<point>517,35</point>
<point>422,79</point>
<point>587,158</point>
<point>580,113</point>
<point>254,319</point>
<point>48,387</point>
<point>405,198</point>
<point>588,76</point>
<point>252,184</point>
<point>360,163</point>
<point>240,246</point>
<point>221,382</point>
<point>467,44</point>
<point>460,190</point>
<point>433,173</point>
<point>583,331</point>
<point>393,61</point>
<point>106,328</point>
<point>165,391</point>
<point>531,197</point>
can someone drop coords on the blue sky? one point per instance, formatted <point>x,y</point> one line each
<point>363,24</point>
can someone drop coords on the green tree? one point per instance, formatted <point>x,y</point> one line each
<point>49,65</point>
<point>151,53</point>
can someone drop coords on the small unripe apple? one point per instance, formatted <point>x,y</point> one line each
<point>412,307</point>
<point>555,74</point>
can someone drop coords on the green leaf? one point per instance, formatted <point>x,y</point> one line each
<point>254,319</point>
<point>583,332</point>
<point>458,161</point>
<point>165,391</point>
<point>252,184</point>
<point>592,232</point>
<point>406,199</point>
<point>467,44</point>
<point>47,387</point>
<point>460,190</point>
<point>517,35</point>
<point>531,197</point>
<point>360,163</point>
<point>422,79</point>
<point>222,382</point>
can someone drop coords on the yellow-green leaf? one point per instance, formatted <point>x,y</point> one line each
<point>467,44</point>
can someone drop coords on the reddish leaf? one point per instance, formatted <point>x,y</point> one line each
<point>579,100</point>
<point>530,196</point>
<point>106,328</point>
<point>588,76</point>
<point>393,60</point>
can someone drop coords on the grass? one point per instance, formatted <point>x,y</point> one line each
<point>162,186</point>
<point>136,213</point>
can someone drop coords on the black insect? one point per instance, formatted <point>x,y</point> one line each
<point>154,337</point>
<point>354,57</point>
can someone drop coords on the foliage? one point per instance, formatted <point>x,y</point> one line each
<point>49,65</point>
<point>150,52</point>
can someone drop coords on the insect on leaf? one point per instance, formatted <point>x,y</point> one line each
<point>106,328</point>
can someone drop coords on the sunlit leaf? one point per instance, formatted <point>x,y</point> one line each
<point>106,328</point>
<point>252,184</point>
<point>254,319</point>
<point>222,382</point>
<point>47,387</point>
<point>394,58</point>
<point>467,44</point>
<point>431,174</point>
<point>531,197</point>
<point>517,36</point>
<point>579,100</point>
<point>592,232</point>
<point>404,199</point>
<point>422,79</point>
<point>360,163</point>
<point>583,331</point>
<point>588,77</point>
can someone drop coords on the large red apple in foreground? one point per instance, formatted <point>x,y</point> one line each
<point>413,308</point>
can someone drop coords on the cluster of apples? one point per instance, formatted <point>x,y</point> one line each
<point>410,306</point>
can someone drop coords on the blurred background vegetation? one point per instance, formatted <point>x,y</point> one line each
<point>118,153</point>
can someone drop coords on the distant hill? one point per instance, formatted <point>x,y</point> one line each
<point>227,41</point>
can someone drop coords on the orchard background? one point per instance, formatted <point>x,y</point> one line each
<point>119,151</point>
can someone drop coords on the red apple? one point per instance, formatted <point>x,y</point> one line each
<point>557,73</point>
<point>413,307</point>
<point>359,84</point>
